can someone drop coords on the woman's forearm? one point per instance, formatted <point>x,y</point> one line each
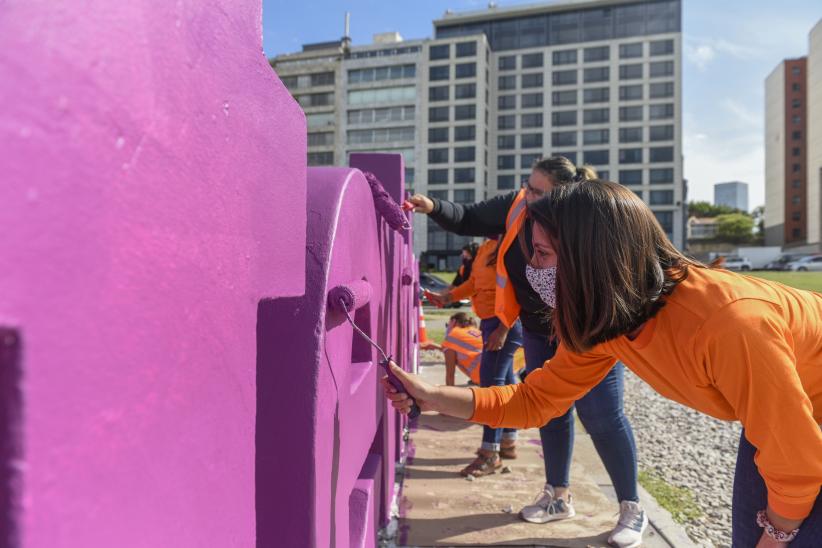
<point>455,401</point>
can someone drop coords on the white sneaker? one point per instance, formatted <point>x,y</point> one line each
<point>547,508</point>
<point>632,523</point>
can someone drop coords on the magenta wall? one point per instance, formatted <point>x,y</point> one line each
<point>152,192</point>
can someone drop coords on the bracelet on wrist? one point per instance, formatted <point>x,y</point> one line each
<point>776,534</point>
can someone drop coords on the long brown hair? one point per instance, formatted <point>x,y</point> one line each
<point>615,264</point>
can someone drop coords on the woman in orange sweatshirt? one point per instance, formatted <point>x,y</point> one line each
<point>731,346</point>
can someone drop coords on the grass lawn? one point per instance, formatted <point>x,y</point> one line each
<point>447,277</point>
<point>801,280</point>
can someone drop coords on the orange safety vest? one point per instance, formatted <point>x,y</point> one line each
<point>467,343</point>
<point>505,301</point>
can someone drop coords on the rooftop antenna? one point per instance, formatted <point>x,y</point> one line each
<point>346,40</point>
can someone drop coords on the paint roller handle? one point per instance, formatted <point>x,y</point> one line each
<point>419,203</point>
<point>397,384</point>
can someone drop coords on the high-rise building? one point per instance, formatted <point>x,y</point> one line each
<point>472,108</point>
<point>733,194</point>
<point>814,150</point>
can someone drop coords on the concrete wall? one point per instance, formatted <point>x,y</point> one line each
<point>153,194</point>
<point>814,140</point>
<point>775,156</point>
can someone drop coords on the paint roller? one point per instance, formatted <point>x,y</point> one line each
<point>348,298</point>
<point>385,204</point>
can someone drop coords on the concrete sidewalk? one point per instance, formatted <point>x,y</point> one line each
<point>438,507</point>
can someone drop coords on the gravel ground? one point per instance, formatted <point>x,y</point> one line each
<point>686,449</point>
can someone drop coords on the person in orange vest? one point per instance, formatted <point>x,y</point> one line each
<point>462,348</point>
<point>496,366</point>
<point>600,410</point>
<point>469,254</point>
<point>736,347</point>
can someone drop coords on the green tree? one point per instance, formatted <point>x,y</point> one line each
<point>707,209</point>
<point>734,227</point>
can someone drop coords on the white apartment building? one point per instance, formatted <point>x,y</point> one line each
<point>471,109</point>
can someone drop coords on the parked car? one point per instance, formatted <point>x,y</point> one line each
<point>782,262</point>
<point>811,263</point>
<point>435,285</point>
<point>735,262</point>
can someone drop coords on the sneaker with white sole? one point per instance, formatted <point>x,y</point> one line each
<point>631,524</point>
<point>547,508</point>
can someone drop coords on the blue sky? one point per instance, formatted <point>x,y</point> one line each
<point>730,46</point>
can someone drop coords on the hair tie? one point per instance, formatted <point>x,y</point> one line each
<point>578,178</point>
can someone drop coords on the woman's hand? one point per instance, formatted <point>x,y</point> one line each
<point>419,203</point>
<point>497,338</point>
<point>424,393</point>
<point>439,299</point>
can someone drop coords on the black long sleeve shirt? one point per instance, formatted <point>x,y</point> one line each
<point>488,219</point>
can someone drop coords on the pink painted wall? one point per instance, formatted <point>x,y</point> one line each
<point>152,192</point>
<point>325,476</point>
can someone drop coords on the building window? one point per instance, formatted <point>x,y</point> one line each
<point>505,182</point>
<point>506,102</point>
<point>595,95</point>
<point>630,177</point>
<point>796,119</point>
<point>596,74</point>
<point>564,77</point>
<point>662,68</point>
<point>506,142</point>
<point>796,103</point>
<point>596,116</point>
<point>661,112</point>
<point>630,72</point>
<point>796,71</point>
<point>662,47</point>
<point>327,78</point>
<point>796,87</point>
<point>531,120</point>
<point>378,115</point>
<point>464,196</point>
<point>380,135</point>
<point>666,221</point>
<point>630,114</point>
<point>527,161</point>
<point>796,233</point>
<point>382,95</point>
<point>531,140</point>
<point>464,154</point>
<point>630,135</point>
<point>630,156</point>
<point>564,118</point>
<point>438,134</point>
<point>533,80</point>
<point>440,72</point>
<point>466,49</point>
<point>437,155</point>
<point>796,135</point>
<point>796,216</point>
<point>506,161</point>
<point>630,93</point>
<point>442,51</point>
<point>661,133</point>
<point>438,93</point>
<point>507,62</point>
<point>564,139</point>
<point>507,82</point>
<point>508,121</point>
<point>464,175</point>
<point>320,158</point>
<point>531,100</point>
<point>595,137</point>
<point>796,183</point>
<point>566,57</point>
<point>466,70</point>
<point>377,74</point>
<point>661,154</point>
<point>437,176</point>
<point>796,199</point>
<point>661,176</point>
<point>662,197</point>
<point>602,175</point>
<point>438,114</point>
<point>532,60</point>
<point>465,91</point>
<point>465,112</point>
<point>315,99</point>
<point>596,157</point>
<point>602,53</point>
<point>661,89</point>
<point>564,97</point>
<point>321,139</point>
<point>465,133</point>
<point>796,151</point>
<point>630,51</point>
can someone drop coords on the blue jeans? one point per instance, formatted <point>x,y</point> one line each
<point>497,369</point>
<point>600,411</point>
<point>751,496</point>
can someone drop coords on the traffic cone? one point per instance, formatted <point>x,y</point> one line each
<point>423,334</point>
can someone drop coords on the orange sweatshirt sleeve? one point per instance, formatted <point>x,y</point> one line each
<point>464,290</point>
<point>546,393</point>
<point>748,352</point>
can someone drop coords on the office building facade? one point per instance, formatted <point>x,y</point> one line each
<point>733,194</point>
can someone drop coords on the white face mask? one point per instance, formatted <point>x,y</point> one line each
<point>544,282</point>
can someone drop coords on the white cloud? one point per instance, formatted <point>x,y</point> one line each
<point>699,55</point>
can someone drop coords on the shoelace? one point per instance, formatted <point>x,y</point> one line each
<point>635,522</point>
